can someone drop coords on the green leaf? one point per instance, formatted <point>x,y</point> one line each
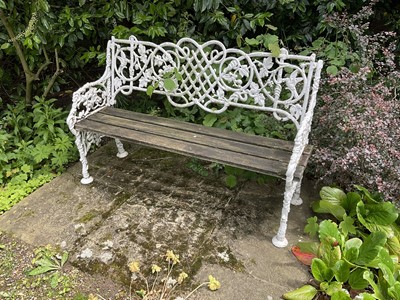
<point>312,226</point>
<point>178,75</point>
<point>5,45</point>
<point>306,292</point>
<point>169,84</point>
<point>384,213</point>
<point>3,4</point>
<point>333,287</point>
<point>231,181</point>
<point>372,216</point>
<point>275,49</point>
<point>340,295</point>
<point>393,245</point>
<point>327,228</point>
<point>356,280</point>
<point>332,70</point>
<point>328,253</point>
<point>350,203</point>
<point>367,194</point>
<point>333,195</point>
<point>209,120</point>
<point>64,258</point>
<point>54,280</point>
<point>387,274</point>
<point>394,291</point>
<point>347,225</point>
<point>308,247</point>
<point>385,258</point>
<point>41,270</point>
<point>320,270</point>
<point>149,91</point>
<point>341,271</point>
<point>352,249</point>
<point>371,247</point>
<point>327,207</point>
<point>252,42</point>
<point>369,276</point>
<point>367,296</point>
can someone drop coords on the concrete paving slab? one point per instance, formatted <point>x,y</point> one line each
<point>140,206</point>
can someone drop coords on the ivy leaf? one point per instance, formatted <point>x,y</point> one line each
<point>312,226</point>
<point>306,292</point>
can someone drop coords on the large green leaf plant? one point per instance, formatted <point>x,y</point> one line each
<point>356,255</point>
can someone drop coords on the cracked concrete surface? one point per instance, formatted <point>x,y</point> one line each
<point>140,206</point>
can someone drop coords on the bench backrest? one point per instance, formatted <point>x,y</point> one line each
<point>213,77</point>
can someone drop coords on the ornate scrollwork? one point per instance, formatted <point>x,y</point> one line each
<point>214,77</point>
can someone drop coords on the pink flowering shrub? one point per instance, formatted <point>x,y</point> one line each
<point>356,127</point>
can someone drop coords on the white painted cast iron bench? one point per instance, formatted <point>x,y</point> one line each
<point>213,78</point>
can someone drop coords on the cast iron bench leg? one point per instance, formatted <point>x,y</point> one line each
<point>296,200</point>
<point>80,144</point>
<point>121,151</point>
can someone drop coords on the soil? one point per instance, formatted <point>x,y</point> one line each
<point>16,261</point>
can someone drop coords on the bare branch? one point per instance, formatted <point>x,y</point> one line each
<point>55,75</point>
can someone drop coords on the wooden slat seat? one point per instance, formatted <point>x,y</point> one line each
<point>263,155</point>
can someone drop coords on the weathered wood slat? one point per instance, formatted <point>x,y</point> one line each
<point>212,144</point>
<point>195,137</point>
<point>218,132</point>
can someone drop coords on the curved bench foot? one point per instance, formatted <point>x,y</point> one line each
<point>122,154</point>
<point>280,243</point>
<point>121,151</point>
<point>296,201</point>
<point>87,180</point>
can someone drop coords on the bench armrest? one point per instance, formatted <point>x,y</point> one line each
<point>89,99</point>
